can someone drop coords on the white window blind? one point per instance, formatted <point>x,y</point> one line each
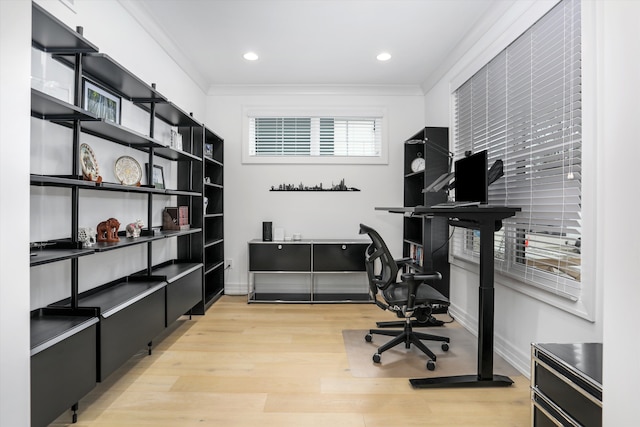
<point>524,107</point>
<point>281,136</point>
<point>315,136</point>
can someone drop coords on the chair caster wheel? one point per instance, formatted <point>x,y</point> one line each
<point>368,338</point>
<point>376,358</point>
<point>445,346</point>
<point>431,365</point>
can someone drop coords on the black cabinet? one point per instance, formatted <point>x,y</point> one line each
<point>280,257</point>
<point>309,262</point>
<point>183,292</point>
<point>127,323</point>
<point>338,257</point>
<point>566,384</point>
<point>425,239</point>
<point>63,361</point>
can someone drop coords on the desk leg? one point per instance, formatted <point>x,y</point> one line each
<point>485,377</point>
<point>486,309</point>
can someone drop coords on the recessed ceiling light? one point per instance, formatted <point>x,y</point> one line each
<point>384,56</point>
<point>250,56</point>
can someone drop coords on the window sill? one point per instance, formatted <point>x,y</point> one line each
<point>579,308</point>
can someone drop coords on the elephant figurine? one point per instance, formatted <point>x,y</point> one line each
<point>87,236</point>
<point>107,231</point>
<point>133,229</point>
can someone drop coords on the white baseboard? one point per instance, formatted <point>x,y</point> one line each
<point>519,360</point>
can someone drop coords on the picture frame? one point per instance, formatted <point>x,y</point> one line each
<point>157,177</point>
<point>208,150</point>
<point>101,102</point>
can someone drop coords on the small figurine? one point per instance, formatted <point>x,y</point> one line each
<point>87,236</point>
<point>133,229</point>
<point>108,230</point>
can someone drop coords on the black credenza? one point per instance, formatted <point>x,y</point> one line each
<point>566,384</point>
<point>307,262</point>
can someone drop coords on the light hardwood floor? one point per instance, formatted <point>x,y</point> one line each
<point>279,365</point>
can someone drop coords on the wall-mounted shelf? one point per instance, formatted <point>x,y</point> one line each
<point>49,34</point>
<point>87,335</point>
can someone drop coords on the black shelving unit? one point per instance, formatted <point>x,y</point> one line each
<point>424,239</point>
<point>83,338</point>
<point>213,213</point>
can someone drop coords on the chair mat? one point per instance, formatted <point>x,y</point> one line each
<point>400,362</point>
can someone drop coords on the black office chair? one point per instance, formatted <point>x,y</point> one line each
<point>409,297</point>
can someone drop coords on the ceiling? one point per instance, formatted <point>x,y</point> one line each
<point>315,42</point>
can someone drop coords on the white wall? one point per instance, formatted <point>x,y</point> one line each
<point>15,42</point>
<point>610,243</point>
<point>618,141</point>
<point>248,201</point>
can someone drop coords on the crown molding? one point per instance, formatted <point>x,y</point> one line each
<point>362,90</point>
<point>145,18</point>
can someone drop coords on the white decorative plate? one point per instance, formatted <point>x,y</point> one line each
<point>89,163</point>
<point>128,170</point>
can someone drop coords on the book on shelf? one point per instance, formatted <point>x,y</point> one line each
<point>416,254</point>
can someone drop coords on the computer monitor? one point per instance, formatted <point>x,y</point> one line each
<point>471,178</point>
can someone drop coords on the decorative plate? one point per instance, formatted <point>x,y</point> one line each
<point>88,162</point>
<point>128,170</point>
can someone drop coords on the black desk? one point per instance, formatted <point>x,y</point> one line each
<point>482,218</point>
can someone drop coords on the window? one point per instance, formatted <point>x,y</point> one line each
<point>524,107</point>
<point>315,138</point>
<point>281,136</point>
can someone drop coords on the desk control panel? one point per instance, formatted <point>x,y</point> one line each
<point>566,385</point>
<point>308,271</point>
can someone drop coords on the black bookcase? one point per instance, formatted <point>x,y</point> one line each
<point>82,339</point>
<point>425,239</point>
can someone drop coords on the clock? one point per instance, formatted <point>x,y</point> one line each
<point>417,164</point>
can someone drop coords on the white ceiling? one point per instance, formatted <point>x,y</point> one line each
<point>315,42</point>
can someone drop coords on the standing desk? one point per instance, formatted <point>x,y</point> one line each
<point>487,219</point>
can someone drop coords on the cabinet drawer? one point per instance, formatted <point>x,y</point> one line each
<point>546,415</point>
<point>183,294</point>
<point>129,330</point>
<point>339,256</point>
<point>61,375</point>
<point>576,405</point>
<point>280,257</point>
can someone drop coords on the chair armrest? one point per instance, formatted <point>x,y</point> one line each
<point>421,277</point>
<point>414,281</point>
<point>403,261</point>
<point>434,275</point>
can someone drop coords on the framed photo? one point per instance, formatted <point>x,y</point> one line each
<point>208,150</point>
<point>157,177</point>
<point>100,102</point>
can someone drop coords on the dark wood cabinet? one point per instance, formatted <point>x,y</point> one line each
<point>425,239</point>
